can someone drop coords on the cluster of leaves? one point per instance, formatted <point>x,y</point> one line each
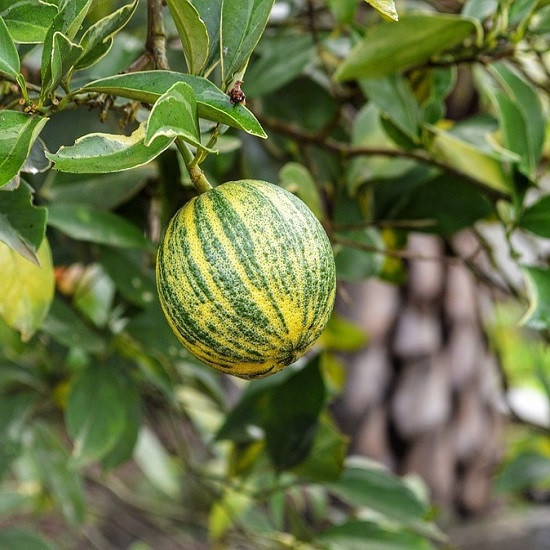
<point>98,364</point>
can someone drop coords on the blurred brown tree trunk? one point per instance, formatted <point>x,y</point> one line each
<point>423,395</point>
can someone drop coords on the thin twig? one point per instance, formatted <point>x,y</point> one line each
<point>350,151</point>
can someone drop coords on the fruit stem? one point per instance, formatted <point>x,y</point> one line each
<point>197,175</point>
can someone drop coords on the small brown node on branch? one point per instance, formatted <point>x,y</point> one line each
<point>236,95</point>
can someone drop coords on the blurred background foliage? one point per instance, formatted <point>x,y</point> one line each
<point>422,147</point>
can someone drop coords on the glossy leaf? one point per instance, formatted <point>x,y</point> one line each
<point>342,335</point>
<point>325,461</point>
<point>354,263</point>
<point>9,58</point>
<point>281,59</point>
<point>157,464</point>
<point>67,22</point>
<point>94,294</point>
<point>98,191</point>
<point>36,161</point>
<point>394,98</point>
<point>297,179</point>
<point>175,114</point>
<point>16,408</point>
<point>369,535</point>
<point>527,470</point>
<point>22,225</point>
<point>29,20</point>
<point>27,289</point>
<point>51,460</point>
<point>100,153</point>
<point>97,40</point>
<point>389,47</point>
<point>20,538</point>
<point>487,168</point>
<point>537,218</point>
<point>192,32</point>
<point>68,329</point>
<point>368,132</point>
<point>538,290</point>
<point>83,223</point>
<point>127,439</point>
<point>242,25</point>
<point>386,8</point>
<point>522,118</point>
<point>291,416</point>
<point>95,413</point>
<point>63,57</point>
<point>445,202</point>
<point>132,279</point>
<point>210,13</point>
<point>17,134</point>
<point>480,9</point>
<point>148,86</point>
<point>367,484</point>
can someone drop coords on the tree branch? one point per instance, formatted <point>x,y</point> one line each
<point>350,151</point>
<point>156,37</point>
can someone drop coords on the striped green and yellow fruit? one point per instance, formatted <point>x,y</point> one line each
<point>246,277</point>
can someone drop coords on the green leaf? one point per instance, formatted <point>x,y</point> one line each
<point>158,466</point>
<point>105,191</point>
<point>537,218</point>
<point>51,461</point>
<point>9,58</point>
<point>98,39</point>
<point>354,263</point>
<point>242,25</point>
<point>67,22</point>
<point>342,335</point>
<point>101,153</point>
<point>528,470</point>
<point>63,57</point>
<point>326,458</point>
<point>17,134</point>
<point>297,179</point>
<point>538,290</point>
<point>367,484</point>
<point>27,289</point>
<point>368,132</point>
<point>148,86</point>
<point>487,168</point>
<point>386,8</point>
<point>29,20</point>
<point>94,294</point>
<point>12,538</point>
<point>480,9</point>
<point>367,535</point>
<point>281,59</point>
<point>68,329</point>
<point>291,415</point>
<point>95,415</point>
<point>123,449</point>
<point>175,115</point>
<point>210,13</point>
<point>393,96</point>
<point>192,32</point>
<point>129,273</point>
<point>22,225</point>
<point>390,47</point>
<point>445,202</point>
<point>83,223</point>
<point>522,118</point>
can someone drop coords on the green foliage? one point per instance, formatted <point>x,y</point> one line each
<point>368,124</point>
